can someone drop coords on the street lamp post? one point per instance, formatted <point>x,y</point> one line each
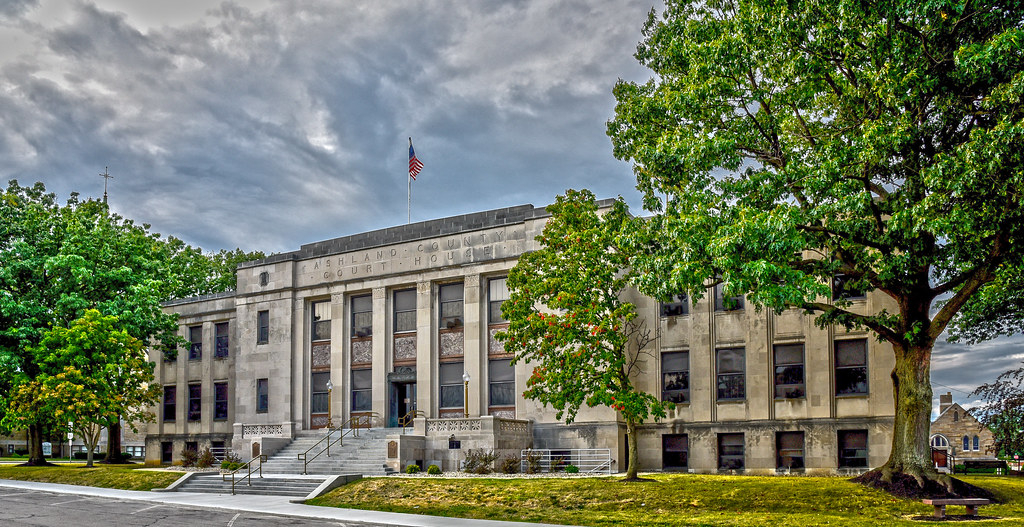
<point>330,388</point>
<point>465,394</point>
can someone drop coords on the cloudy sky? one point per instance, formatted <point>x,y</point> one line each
<point>266,124</point>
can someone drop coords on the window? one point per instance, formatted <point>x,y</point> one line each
<point>166,451</point>
<point>451,306</point>
<point>170,403</point>
<point>977,443</point>
<point>262,327</point>
<point>501,377</point>
<point>939,441</point>
<point>195,338</point>
<point>321,323</point>
<point>851,367</point>
<point>451,385</point>
<point>967,444</point>
<point>732,303</point>
<point>361,390</point>
<point>676,306</point>
<point>675,377</point>
<point>730,451</point>
<point>220,400</point>
<point>264,278</point>
<point>405,310</point>
<point>362,316</point>
<point>844,287</point>
<point>497,294</point>
<point>675,451</point>
<point>220,331</point>
<point>135,451</point>
<point>262,395</point>
<point>195,402</point>
<point>789,450</point>
<point>731,374</point>
<point>853,448</point>
<point>956,416</point>
<point>789,371</point>
<point>319,396</point>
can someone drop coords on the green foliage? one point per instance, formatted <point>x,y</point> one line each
<point>567,315</point>
<point>201,273</point>
<point>572,469</point>
<point>1002,410</point>
<point>479,461</point>
<point>510,465</point>
<point>433,470</point>
<point>231,465</point>
<point>781,144</point>
<point>412,468</point>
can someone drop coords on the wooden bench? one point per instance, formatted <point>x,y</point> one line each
<point>972,505</point>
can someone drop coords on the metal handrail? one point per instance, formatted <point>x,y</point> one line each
<point>262,458</point>
<point>406,420</point>
<point>354,424</point>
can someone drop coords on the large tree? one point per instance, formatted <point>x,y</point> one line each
<point>567,317</point>
<point>782,143</point>
<point>55,263</point>
<point>1002,410</point>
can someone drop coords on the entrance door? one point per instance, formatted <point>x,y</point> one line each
<point>403,401</point>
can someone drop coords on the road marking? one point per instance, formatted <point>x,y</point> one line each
<point>232,522</point>
<point>15,494</point>
<point>147,508</point>
<point>66,502</point>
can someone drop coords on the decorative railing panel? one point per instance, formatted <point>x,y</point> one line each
<point>262,430</point>
<point>440,426</point>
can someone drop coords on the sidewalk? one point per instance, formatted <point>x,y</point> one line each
<point>261,504</point>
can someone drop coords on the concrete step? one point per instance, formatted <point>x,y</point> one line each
<point>266,486</point>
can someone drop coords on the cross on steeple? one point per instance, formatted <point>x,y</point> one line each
<point>105,177</point>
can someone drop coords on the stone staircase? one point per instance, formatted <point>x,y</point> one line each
<point>291,486</point>
<point>364,454</point>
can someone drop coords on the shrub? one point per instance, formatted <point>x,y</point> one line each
<point>231,465</point>
<point>80,455</point>
<point>205,459</point>
<point>433,470</point>
<point>479,461</point>
<point>232,457</point>
<point>532,462</point>
<point>510,465</point>
<point>189,457</point>
<point>571,469</point>
<point>412,468</point>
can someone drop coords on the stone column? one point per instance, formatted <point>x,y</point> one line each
<point>380,349</point>
<point>426,357</point>
<point>475,358</point>
<point>340,377</point>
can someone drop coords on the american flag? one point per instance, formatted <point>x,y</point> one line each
<point>414,164</point>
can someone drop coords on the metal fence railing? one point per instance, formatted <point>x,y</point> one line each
<point>588,460</point>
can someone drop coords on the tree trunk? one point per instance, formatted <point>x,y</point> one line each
<point>631,435</point>
<point>113,444</point>
<point>35,446</point>
<point>911,452</point>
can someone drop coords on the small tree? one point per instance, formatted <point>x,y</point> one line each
<point>566,315</point>
<point>1003,410</point>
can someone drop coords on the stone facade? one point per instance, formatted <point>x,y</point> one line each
<point>394,318</point>
<point>956,428</point>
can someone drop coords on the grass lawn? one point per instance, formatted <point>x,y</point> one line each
<point>126,477</point>
<point>672,499</point>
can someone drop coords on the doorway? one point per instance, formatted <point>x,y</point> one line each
<point>402,401</point>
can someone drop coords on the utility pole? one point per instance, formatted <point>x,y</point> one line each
<point>105,177</point>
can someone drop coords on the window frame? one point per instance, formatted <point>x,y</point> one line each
<point>845,434</point>
<point>317,322</point>
<point>799,389</point>
<point>172,416</point>
<point>723,456</point>
<point>862,367</point>
<point>194,410</point>
<point>222,340</point>
<point>358,390</point>
<point>451,321</point>
<point>492,384</point>
<point>195,347</point>
<point>451,387</point>
<point>263,326</point>
<point>666,394</point>
<point>262,395</point>
<point>494,315</point>
<point>727,305</point>
<point>396,312</point>
<point>721,376</point>
<point>779,450</point>
<point>667,438</point>
<point>677,306</point>
<point>319,402</point>
<point>362,330</point>
<point>220,404</point>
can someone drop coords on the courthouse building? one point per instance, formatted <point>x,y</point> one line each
<point>400,322</point>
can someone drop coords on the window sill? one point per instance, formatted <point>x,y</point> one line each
<point>784,399</point>
<point>853,396</point>
<point>731,401</point>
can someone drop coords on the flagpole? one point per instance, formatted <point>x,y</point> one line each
<point>409,180</point>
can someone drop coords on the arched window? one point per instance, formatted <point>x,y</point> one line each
<point>939,441</point>
<point>956,416</point>
<point>967,443</point>
<point>977,443</point>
